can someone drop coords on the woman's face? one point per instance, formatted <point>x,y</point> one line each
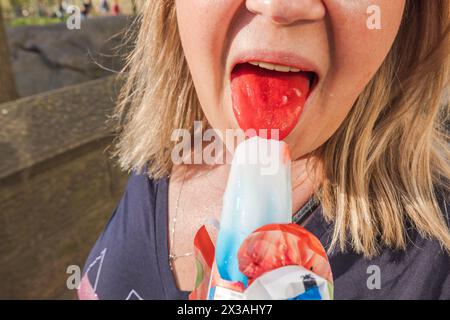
<point>329,40</point>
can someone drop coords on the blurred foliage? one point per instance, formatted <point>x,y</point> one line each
<point>20,8</point>
<point>41,12</point>
<point>26,21</point>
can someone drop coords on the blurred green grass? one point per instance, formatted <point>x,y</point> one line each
<point>27,21</point>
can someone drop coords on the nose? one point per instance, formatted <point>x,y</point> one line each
<point>287,12</point>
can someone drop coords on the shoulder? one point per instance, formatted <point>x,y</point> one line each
<point>141,196</point>
<point>428,249</point>
<point>424,265</point>
<point>121,259</point>
<point>420,271</point>
<point>137,201</point>
<point>139,183</point>
<point>135,211</point>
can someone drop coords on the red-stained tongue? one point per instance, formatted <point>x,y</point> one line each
<point>265,99</point>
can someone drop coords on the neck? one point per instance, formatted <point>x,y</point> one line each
<point>305,181</point>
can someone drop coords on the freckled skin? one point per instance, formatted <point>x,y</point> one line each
<point>331,33</point>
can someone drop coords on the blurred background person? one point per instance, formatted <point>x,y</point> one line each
<point>116,8</point>
<point>86,8</point>
<point>104,6</point>
<point>60,10</point>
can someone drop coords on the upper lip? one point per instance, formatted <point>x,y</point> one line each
<point>276,57</point>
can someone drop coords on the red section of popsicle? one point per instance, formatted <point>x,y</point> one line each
<point>278,245</point>
<point>266,99</point>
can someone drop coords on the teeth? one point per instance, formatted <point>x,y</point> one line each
<point>271,66</point>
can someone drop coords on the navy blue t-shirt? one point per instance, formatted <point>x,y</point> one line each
<point>130,258</point>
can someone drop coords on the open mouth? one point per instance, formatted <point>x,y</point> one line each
<point>268,99</point>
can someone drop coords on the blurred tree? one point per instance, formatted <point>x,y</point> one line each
<point>17,6</point>
<point>8,90</point>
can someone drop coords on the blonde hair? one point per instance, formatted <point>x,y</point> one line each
<point>380,167</point>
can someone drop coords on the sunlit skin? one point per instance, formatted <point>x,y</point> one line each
<point>329,36</point>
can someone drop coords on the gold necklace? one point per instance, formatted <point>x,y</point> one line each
<point>172,255</point>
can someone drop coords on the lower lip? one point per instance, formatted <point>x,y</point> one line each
<point>268,102</point>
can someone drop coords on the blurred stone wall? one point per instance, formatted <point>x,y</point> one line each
<point>58,186</point>
<point>50,57</point>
